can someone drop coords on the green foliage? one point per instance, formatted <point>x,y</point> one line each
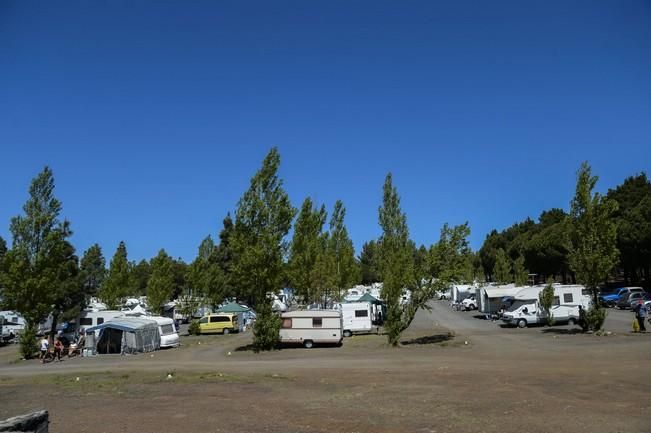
<point>28,343</point>
<point>118,282</point>
<point>263,219</point>
<point>546,299</point>
<point>520,273</point>
<point>595,318</point>
<point>396,262</point>
<point>194,328</point>
<point>368,263</point>
<point>502,269</point>
<point>346,268</point>
<point>41,269</point>
<point>161,282</point>
<point>139,274</point>
<point>307,245</point>
<point>266,328</point>
<point>593,234</point>
<point>92,269</point>
<point>205,275</point>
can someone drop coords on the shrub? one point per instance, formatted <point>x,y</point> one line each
<point>266,329</point>
<point>194,329</point>
<point>28,343</point>
<point>595,318</point>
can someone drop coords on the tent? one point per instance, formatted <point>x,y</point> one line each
<point>367,297</point>
<point>232,307</point>
<point>127,335</point>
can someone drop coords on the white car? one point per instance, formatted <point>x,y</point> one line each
<point>470,303</point>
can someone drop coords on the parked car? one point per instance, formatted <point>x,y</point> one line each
<point>624,301</point>
<point>224,323</point>
<point>636,297</point>
<point>611,298</point>
<point>470,303</point>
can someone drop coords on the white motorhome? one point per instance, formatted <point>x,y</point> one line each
<point>490,298</point>
<point>357,318</point>
<point>88,319</point>
<point>310,327</point>
<point>13,324</point>
<point>526,308</point>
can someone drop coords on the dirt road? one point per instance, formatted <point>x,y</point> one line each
<point>453,373</point>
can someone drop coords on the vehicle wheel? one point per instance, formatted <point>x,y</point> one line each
<point>610,304</point>
<point>308,344</point>
<point>571,322</point>
<point>347,333</point>
<point>443,297</point>
<point>522,323</point>
<point>227,331</point>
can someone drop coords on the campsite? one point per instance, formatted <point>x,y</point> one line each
<point>453,373</point>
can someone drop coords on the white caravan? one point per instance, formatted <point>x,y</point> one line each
<point>89,319</point>
<point>310,327</point>
<point>13,324</point>
<point>169,335</point>
<point>489,298</point>
<point>526,308</point>
<point>357,318</point>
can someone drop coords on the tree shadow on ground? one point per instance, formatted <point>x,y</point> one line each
<point>562,331</point>
<point>430,339</point>
<point>245,348</point>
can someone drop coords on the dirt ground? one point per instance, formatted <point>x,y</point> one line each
<point>453,373</point>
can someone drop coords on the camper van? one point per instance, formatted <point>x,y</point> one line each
<point>169,336</point>
<point>357,318</point>
<point>224,323</point>
<point>526,309</point>
<point>310,327</point>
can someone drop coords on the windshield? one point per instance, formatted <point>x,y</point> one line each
<point>518,304</point>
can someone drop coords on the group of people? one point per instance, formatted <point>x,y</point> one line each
<point>57,351</point>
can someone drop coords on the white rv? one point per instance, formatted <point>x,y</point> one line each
<point>310,327</point>
<point>169,335</point>
<point>357,317</point>
<point>89,319</point>
<point>526,308</point>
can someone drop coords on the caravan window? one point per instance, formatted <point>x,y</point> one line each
<point>100,320</point>
<point>567,297</point>
<point>361,313</point>
<point>86,321</point>
<point>317,322</point>
<point>167,329</point>
<point>287,324</point>
<point>556,301</point>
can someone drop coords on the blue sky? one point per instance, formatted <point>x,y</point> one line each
<point>154,115</point>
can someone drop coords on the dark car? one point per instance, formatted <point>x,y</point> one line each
<point>625,300</point>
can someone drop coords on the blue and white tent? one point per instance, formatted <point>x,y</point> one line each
<point>126,335</point>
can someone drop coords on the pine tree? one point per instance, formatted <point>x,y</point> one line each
<point>161,282</point>
<point>263,219</point>
<point>520,273</point>
<point>118,281</point>
<point>368,263</point>
<point>93,269</point>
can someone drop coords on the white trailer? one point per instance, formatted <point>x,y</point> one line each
<point>357,318</point>
<point>89,319</point>
<point>310,327</point>
<point>526,308</point>
<point>169,335</point>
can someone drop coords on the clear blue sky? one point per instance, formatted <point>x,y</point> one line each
<point>154,115</point>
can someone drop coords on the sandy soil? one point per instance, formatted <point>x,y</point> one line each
<point>454,373</point>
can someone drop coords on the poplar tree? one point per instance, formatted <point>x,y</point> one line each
<point>520,273</point>
<point>593,234</point>
<point>117,283</point>
<point>263,219</point>
<point>341,249</point>
<point>161,282</point>
<point>502,269</point>
<point>305,248</point>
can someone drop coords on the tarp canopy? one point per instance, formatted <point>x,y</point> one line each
<point>232,307</point>
<point>501,291</point>
<point>367,297</point>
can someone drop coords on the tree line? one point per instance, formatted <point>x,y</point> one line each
<point>41,275</point>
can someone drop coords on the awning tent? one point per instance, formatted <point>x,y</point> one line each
<point>127,335</point>
<point>232,307</point>
<point>367,297</point>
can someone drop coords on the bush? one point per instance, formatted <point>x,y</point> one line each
<point>28,343</point>
<point>194,329</point>
<point>595,318</point>
<point>266,329</point>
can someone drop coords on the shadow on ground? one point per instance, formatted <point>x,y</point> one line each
<point>430,339</point>
<point>562,331</point>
